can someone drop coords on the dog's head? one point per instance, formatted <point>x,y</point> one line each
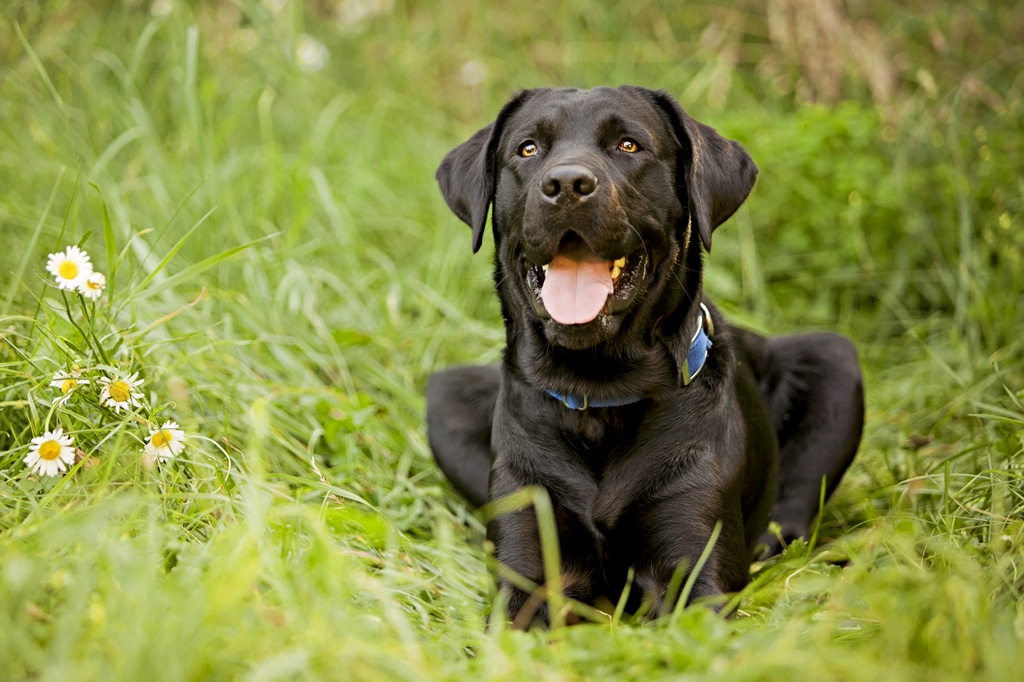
<point>598,196</point>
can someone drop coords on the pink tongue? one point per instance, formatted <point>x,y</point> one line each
<point>577,284</point>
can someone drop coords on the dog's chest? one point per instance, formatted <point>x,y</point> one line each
<point>586,431</point>
<point>620,460</point>
<point>597,438</point>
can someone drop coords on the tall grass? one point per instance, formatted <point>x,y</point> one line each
<point>283,275</point>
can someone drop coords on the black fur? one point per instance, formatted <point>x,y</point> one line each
<point>641,485</point>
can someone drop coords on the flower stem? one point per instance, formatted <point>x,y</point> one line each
<point>91,335</point>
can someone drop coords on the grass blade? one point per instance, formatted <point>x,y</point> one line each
<point>30,251</point>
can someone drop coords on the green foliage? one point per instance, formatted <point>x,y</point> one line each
<point>284,276</point>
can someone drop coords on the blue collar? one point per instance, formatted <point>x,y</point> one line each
<point>694,362</point>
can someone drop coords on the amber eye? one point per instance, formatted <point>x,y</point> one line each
<point>629,145</point>
<point>528,148</point>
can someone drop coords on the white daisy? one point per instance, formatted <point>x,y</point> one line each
<point>93,287</point>
<point>71,268</point>
<point>165,442</point>
<point>50,453</point>
<point>67,382</point>
<point>119,392</point>
<point>310,54</point>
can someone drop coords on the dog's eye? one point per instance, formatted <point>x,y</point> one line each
<point>528,148</point>
<point>629,145</point>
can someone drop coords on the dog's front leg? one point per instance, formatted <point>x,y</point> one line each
<point>516,537</point>
<point>681,555</point>
<point>517,548</point>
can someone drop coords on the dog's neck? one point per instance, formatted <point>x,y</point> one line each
<point>689,367</point>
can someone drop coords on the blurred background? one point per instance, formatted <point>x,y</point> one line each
<point>889,137</point>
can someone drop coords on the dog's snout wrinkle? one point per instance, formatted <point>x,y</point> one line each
<point>568,182</point>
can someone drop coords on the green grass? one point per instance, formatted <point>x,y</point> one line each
<point>284,275</point>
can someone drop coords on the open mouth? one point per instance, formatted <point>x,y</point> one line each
<point>578,286</point>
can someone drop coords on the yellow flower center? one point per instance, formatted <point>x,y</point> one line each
<point>68,385</point>
<point>91,284</point>
<point>161,439</point>
<point>49,450</point>
<point>120,392</point>
<point>68,270</point>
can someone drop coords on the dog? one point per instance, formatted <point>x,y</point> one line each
<point>652,425</point>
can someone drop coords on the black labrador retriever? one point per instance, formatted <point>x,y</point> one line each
<point>623,392</point>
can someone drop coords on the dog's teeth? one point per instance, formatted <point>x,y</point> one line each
<point>617,266</point>
<point>544,268</point>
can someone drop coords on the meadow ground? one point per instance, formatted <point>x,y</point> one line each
<point>254,180</point>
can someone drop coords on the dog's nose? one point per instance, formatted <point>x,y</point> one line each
<point>568,181</point>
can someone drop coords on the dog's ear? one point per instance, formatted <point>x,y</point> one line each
<point>468,173</point>
<point>715,174</point>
